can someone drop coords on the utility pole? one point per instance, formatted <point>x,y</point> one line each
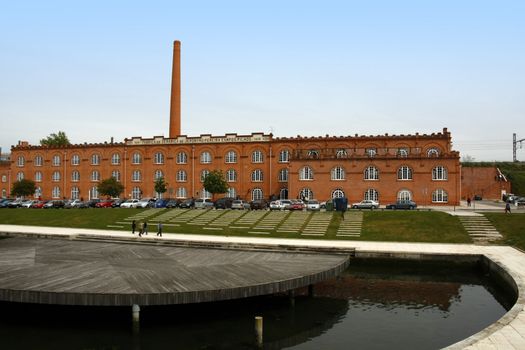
<point>514,143</point>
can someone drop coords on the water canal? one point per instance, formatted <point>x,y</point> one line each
<point>373,305</point>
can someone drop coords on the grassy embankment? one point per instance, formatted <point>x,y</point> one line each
<point>512,227</point>
<point>401,226</point>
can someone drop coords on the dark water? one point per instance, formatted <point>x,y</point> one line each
<point>374,305</point>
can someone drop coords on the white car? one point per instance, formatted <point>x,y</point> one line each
<point>366,204</point>
<point>143,203</point>
<point>313,204</point>
<point>27,203</point>
<point>130,203</point>
<point>240,204</point>
<point>275,205</point>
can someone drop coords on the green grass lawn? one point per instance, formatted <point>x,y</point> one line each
<point>511,226</point>
<point>400,226</point>
<point>413,226</point>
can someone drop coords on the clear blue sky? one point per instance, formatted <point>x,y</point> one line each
<point>97,69</point>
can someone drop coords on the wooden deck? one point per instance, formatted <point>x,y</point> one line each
<point>55,271</point>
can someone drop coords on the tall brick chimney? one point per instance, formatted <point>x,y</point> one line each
<point>175,92</point>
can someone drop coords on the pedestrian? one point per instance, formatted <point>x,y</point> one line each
<point>468,201</point>
<point>344,206</point>
<point>141,229</point>
<point>159,229</point>
<point>145,228</point>
<point>507,208</point>
<point>133,227</point>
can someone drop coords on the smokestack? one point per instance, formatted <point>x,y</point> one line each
<point>175,92</point>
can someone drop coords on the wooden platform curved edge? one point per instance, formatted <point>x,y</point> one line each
<point>102,273</point>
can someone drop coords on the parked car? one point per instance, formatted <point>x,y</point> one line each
<point>71,204</point>
<point>15,203</point>
<point>519,201</point>
<point>240,204</point>
<point>258,204</point>
<point>92,203</point>
<point>108,203</point>
<point>296,205</point>
<point>38,205</point>
<point>275,205</point>
<point>143,203</point>
<point>477,197</point>
<point>54,204</point>
<point>173,203</point>
<point>285,203</point>
<point>202,203</point>
<point>27,203</point>
<point>5,202</point>
<point>366,204</point>
<point>160,203</point>
<point>223,203</point>
<point>117,202</point>
<point>187,203</point>
<point>313,204</point>
<point>130,203</point>
<point>404,204</point>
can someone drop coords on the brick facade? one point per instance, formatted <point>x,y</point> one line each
<point>486,182</point>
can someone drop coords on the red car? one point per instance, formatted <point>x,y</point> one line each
<point>104,204</point>
<point>38,205</point>
<point>296,205</point>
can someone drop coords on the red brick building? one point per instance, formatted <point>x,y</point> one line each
<point>485,182</point>
<point>419,167</point>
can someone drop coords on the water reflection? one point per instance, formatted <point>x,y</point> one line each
<point>371,306</point>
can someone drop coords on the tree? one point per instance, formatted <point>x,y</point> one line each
<point>160,185</point>
<point>23,188</point>
<point>55,140</point>
<point>110,187</point>
<point>467,159</point>
<point>214,182</point>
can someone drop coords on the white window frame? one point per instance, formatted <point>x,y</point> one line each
<point>231,157</point>
<point>182,176</point>
<point>338,193</point>
<point>75,192</point>
<point>20,176</point>
<point>204,173</point>
<point>404,173</point>
<point>337,173</point>
<point>136,193</point>
<point>158,174</point>
<point>55,177</point>
<point>56,160</point>
<point>257,194</point>
<point>115,159</point>
<point>95,176</point>
<point>371,173</point>
<point>21,161</point>
<point>257,175</point>
<point>75,159</point>
<point>257,156</point>
<point>371,194</point>
<point>404,195</point>
<point>39,160</point>
<point>158,158</point>
<point>306,193</point>
<point>283,175</point>
<point>95,159</point>
<point>75,176</point>
<point>182,193</point>
<point>231,175</point>
<point>284,156</point>
<point>231,193</point>
<point>306,173</point>
<point>205,157</point>
<point>38,176</point>
<point>439,196</point>
<point>433,152</point>
<point>55,192</point>
<point>136,158</point>
<point>341,153</point>
<point>116,175</point>
<point>136,176</point>
<point>439,173</point>
<point>182,158</point>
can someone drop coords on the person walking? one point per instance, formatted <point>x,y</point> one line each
<point>141,229</point>
<point>468,201</point>
<point>145,228</point>
<point>133,227</point>
<point>507,208</point>
<point>159,229</point>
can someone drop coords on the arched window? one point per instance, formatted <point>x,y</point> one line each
<point>404,173</point>
<point>306,173</point>
<point>205,158</point>
<point>115,159</point>
<point>158,174</point>
<point>341,153</point>
<point>136,193</point>
<point>204,173</point>
<point>283,175</point>
<point>39,161</point>
<point>75,176</point>
<point>231,193</point>
<point>231,157</point>
<point>75,159</point>
<point>284,156</point>
<point>4,193</point>
<point>116,175</point>
<point>338,193</point>
<point>20,176</point>
<point>55,193</point>
<point>136,159</point>
<point>371,173</point>
<point>338,173</point>
<point>4,178</point>
<point>21,161</point>
<point>257,175</point>
<point>136,176</point>
<point>159,158</point>
<point>56,176</point>
<point>439,173</point>
<point>306,194</point>
<point>182,158</point>
<point>75,192</point>
<point>181,176</point>
<point>283,193</point>
<point>93,193</point>
<point>181,192</point>
<point>38,192</point>
<point>432,152</point>
<point>371,152</point>
<point>95,176</point>
<point>95,159</point>
<point>313,154</point>
<point>439,196</point>
<point>56,160</point>
<point>38,176</point>
<point>402,152</point>
<point>257,194</point>
<point>371,194</point>
<point>404,195</point>
<point>257,157</point>
<point>231,175</point>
